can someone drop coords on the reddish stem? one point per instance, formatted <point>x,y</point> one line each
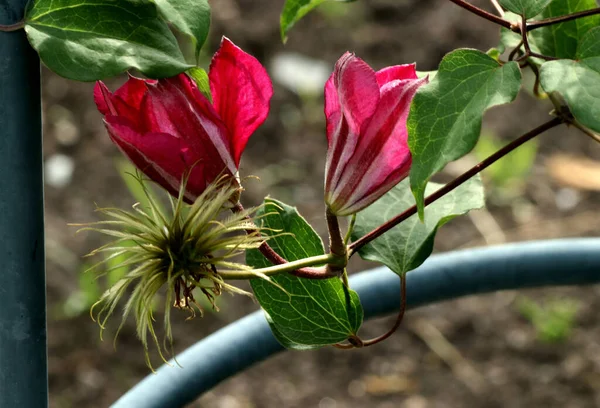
<point>12,27</point>
<point>482,13</point>
<point>356,342</point>
<point>561,19</point>
<point>399,318</point>
<point>276,259</point>
<point>528,52</point>
<point>377,232</point>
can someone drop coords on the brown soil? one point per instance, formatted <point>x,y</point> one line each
<point>495,358</point>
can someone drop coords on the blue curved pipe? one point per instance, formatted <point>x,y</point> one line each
<point>446,276</point>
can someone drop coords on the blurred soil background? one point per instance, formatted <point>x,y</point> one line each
<point>535,348</point>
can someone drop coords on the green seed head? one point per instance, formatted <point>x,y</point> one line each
<point>183,250</point>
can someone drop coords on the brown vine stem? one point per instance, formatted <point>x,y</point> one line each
<point>356,342</point>
<point>323,272</point>
<point>484,14</point>
<point>528,52</point>
<point>515,51</point>
<point>367,343</point>
<point>536,85</point>
<point>12,27</point>
<point>382,229</point>
<point>557,20</point>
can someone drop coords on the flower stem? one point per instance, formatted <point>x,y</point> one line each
<point>561,19</point>
<point>482,13</point>
<point>399,317</point>
<point>377,232</point>
<point>357,342</point>
<point>276,259</point>
<point>284,267</point>
<point>12,27</point>
<point>350,229</point>
<point>336,242</point>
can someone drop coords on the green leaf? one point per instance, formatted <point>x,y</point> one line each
<point>294,10</point>
<point>495,53</point>
<point>560,40</point>
<point>89,40</point>
<point>201,78</point>
<point>312,313</point>
<point>191,17</point>
<point>285,341</point>
<point>508,38</point>
<point>445,116</point>
<point>527,8</point>
<point>578,81</point>
<point>407,245</point>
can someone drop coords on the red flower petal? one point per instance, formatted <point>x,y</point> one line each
<point>133,91</point>
<point>154,117</point>
<point>102,97</point>
<point>162,157</point>
<point>357,90</point>
<point>351,97</point>
<point>332,108</point>
<point>241,91</point>
<point>188,115</point>
<point>125,102</point>
<point>389,74</point>
<point>382,158</point>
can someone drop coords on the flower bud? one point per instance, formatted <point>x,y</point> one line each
<point>366,114</point>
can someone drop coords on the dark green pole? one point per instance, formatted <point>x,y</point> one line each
<point>23,356</point>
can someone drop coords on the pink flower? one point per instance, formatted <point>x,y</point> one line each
<point>366,114</point>
<point>168,127</point>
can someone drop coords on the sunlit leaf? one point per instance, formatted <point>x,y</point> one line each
<point>578,81</point>
<point>445,117</point>
<point>89,40</point>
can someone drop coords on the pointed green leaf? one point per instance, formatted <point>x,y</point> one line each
<point>201,78</point>
<point>445,116</point>
<point>294,10</point>
<point>527,8</point>
<point>578,81</point>
<point>313,312</point>
<point>89,40</point>
<point>560,40</point>
<point>191,17</point>
<point>407,245</point>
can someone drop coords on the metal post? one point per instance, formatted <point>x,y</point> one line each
<point>23,356</point>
